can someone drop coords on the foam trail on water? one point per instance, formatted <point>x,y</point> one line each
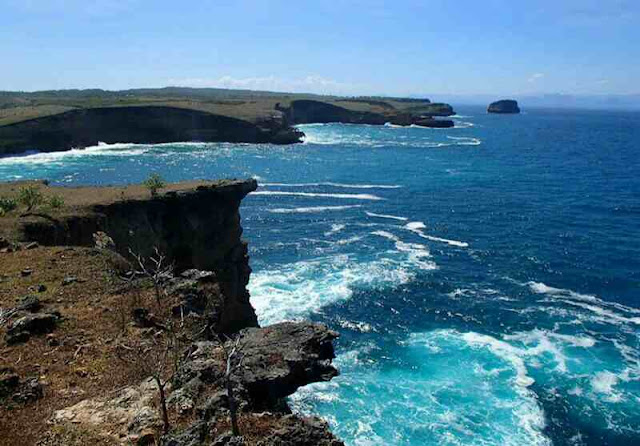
<point>312,209</point>
<point>341,185</point>
<point>319,195</point>
<point>542,288</point>
<point>418,226</point>
<point>391,217</point>
<point>335,228</point>
<point>416,253</point>
<point>465,140</point>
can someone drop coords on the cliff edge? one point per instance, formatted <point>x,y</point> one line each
<point>125,319</point>
<point>140,124</point>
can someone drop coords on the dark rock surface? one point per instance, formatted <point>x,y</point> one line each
<point>24,327</point>
<point>18,390</point>
<point>504,106</point>
<point>140,124</point>
<point>280,358</point>
<point>433,123</point>
<point>277,360</point>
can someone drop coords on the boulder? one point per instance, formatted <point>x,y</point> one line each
<point>26,326</point>
<point>280,358</point>
<point>19,391</point>
<point>504,106</point>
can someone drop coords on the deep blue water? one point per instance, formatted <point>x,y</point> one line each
<point>485,279</point>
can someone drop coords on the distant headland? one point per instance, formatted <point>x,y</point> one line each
<point>60,120</point>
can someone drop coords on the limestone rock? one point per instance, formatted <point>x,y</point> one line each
<point>128,417</point>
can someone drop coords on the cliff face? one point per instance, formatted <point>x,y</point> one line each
<point>142,124</point>
<point>195,228</point>
<point>505,106</point>
<point>310,112</point>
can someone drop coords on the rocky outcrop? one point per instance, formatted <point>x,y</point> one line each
<point>433,123</point>
<point>142,124</point>
<point>276,361</point>
<point>504,106</point>
<point>31,324</point>
<point>280,358</point>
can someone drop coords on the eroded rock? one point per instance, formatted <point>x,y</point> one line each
<point>31,324</point>
<point>128,417</point>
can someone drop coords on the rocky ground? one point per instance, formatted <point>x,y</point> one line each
<point>99,345</point>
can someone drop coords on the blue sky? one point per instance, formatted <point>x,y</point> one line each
<point>344,47</point>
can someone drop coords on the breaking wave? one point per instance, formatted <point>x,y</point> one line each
<point>319,195</point>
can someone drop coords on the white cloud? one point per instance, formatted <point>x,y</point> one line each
<point>309,84</point>
<point>535,76</point>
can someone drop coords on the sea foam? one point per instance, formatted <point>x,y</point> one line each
<point>319,195</point>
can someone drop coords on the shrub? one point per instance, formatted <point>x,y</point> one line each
<point>154,183</point>
<point>56,202</point>
<point>7,204</point>
<point>31,197</point>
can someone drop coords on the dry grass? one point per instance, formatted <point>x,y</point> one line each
<point>85,363</point>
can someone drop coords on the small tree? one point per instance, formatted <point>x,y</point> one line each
<point>155,357</point>
<point>7,204</point>
<point>234,357</point>
<point>154,183</point>
<point>155,268</point>
<point>31,197</point>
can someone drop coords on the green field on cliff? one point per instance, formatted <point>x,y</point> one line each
<point>242,104</point>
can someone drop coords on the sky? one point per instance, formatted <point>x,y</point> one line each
<point>348,47</point>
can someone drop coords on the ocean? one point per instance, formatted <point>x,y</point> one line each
<point>485,278</point>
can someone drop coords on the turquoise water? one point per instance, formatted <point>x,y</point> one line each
<point>484,278</point>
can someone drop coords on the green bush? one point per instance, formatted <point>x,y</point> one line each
<point>56,202</point>
<point>31,197</point>
<point>7,204</point>
<point>154,183</point>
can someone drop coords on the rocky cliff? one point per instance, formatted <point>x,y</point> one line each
<point>196,227</point>
<point>504,106</point>
<point>307,111</point>
<point>141,124</point>
<point>95,309</point>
